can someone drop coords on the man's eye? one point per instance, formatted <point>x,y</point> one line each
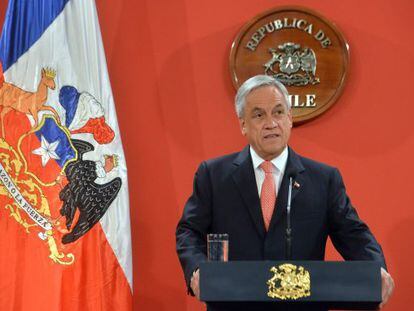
<point>257,115</point>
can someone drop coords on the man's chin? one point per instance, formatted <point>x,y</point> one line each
<point>271,154</point>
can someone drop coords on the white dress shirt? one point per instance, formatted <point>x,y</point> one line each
<point>279,164</point>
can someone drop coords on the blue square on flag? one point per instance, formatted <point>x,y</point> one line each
<point>47,150</point>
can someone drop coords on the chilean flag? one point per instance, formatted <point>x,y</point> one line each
<point>58,118</point>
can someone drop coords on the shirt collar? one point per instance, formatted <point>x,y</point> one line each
<point>279,162</point>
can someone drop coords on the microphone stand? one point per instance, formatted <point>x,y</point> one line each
<point>288,224</point>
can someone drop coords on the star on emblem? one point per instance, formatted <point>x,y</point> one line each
<point>47,151</point>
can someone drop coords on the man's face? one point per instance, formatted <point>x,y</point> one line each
<point>266,121</point>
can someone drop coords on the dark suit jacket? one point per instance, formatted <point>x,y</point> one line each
<point>225,200</point>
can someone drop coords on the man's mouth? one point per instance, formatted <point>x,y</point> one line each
<point>271,136</point>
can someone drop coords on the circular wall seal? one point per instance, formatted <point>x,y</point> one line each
<point>300,48</point>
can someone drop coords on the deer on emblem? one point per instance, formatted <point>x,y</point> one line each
<point>15,98</point>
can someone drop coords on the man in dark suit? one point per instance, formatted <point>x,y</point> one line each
<point>245,195</point>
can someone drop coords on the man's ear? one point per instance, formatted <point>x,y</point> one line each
<point>242,126</point>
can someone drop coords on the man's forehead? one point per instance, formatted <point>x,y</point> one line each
<point>259,106</point>
<point>265,93</point>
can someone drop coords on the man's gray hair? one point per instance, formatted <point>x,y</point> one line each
<point>254,83</point>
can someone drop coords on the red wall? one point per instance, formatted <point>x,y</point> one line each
<point>168,63</point>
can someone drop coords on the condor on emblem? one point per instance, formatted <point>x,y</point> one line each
<point>301,49</point>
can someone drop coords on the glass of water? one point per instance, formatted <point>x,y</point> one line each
<point>218,247</point>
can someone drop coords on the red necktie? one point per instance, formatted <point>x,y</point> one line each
<point>268,193</point>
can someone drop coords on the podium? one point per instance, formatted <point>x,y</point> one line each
<point>349,285</point>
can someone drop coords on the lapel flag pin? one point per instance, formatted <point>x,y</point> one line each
<point>296,185</point>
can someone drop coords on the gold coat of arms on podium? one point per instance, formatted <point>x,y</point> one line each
<point>289,282</point>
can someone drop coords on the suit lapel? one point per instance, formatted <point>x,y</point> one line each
<point>297,171</point>
<point>244,178</point>
<point>294,169</point>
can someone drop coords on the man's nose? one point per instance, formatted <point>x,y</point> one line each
<point>271,123</point>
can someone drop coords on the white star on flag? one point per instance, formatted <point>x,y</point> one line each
<point>47,151</point>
